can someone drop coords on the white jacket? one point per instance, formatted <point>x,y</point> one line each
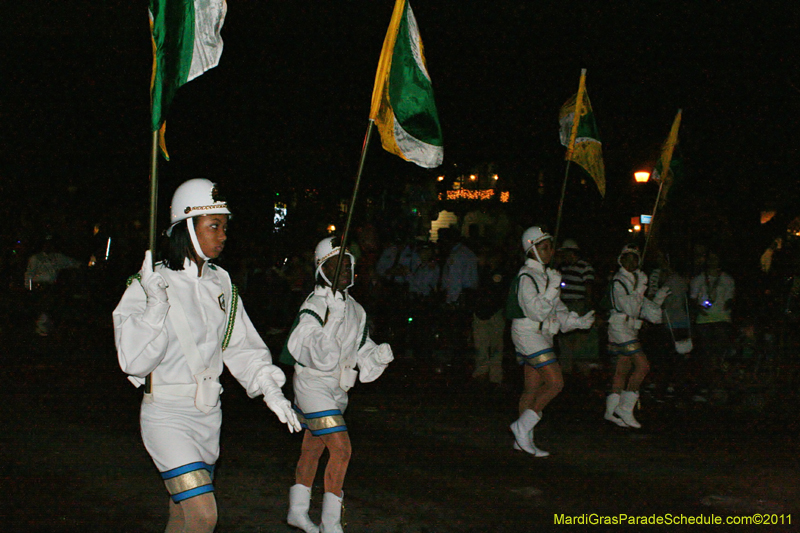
<point>327,347</point>
<point>545,313</point>
<point>630,306</point>
<point>147,343</point>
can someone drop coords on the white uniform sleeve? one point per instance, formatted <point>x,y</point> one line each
<point>312,346</point>
<point>140,332</point>
<point>568,320</point>
<point>369,369</point>
<point>651,312</point>
<point>249,359</point>
<point>535,305</point>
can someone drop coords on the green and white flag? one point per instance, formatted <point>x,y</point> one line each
<point>403,107</point>
<point>186,43</point>
<point>579,133</point>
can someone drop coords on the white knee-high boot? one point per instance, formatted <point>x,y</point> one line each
<point>522,428</point>
<point>612,401</point>
<point>627,400</point>
<point>331,513</point>
<point>299,503</point>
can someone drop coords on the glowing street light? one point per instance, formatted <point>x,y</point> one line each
<point>641,176</point>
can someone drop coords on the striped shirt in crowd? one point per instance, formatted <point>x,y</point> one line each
<point>574,279</point>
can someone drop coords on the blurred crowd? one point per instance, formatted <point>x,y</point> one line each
<point>440,298</point>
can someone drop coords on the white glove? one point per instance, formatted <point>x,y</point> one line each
<point>336,305</point>
<point>283,409</point>
<point>553,277</point>
<point>661,295</point>
<point>153,283</point>
<point>586,321</point>
<point>383,354</point>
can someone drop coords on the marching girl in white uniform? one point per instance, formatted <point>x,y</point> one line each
<point>629,308</point>
<point>538,315</point>
<point>174,328</point>
<point>328,341</point>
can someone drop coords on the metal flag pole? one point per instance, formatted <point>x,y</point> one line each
<point>576,118</point>
<point>148,382</point>
<point>561,203</point>
<point>153,193</point>
<point>346,234</point>
<point>653,218</point>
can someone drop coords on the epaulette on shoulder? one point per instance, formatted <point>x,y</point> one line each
<point>212,266</point>
<point>135,277</point>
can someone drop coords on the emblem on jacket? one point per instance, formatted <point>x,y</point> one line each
<point>221,299</point>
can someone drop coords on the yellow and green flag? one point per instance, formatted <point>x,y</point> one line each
<point>186,43</point>
<point>580,135</point>
<point>663,165</point>
<point>403,107</point>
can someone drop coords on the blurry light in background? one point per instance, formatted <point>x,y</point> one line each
<point>440,178</point>
<point>641,176</point>
<point>331,228</point>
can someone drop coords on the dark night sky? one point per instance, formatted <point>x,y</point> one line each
<point>290,99</point>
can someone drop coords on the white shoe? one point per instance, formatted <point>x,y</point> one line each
<point>612,401</point>
<point>331,513</point>
<point>627,400</point>
<point>299,503</point>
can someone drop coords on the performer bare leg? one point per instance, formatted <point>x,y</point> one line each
<point>195,515</point>
<point>339,448</point>
<point>541,386</point>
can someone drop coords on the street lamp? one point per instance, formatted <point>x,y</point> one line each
<point>641,176</point>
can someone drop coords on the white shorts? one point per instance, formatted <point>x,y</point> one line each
<point>183,443</point>
<point>319,401</point>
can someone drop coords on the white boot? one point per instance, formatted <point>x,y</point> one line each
<point>539,452</point>
<point>627,400</point>
<point>612,401</point>
<point>299,502</point>
<point>331,513</point>
<point>522,428</point>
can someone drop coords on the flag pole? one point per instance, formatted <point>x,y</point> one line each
<point>653,219</point>
<point>561,204</point>
<point>148,381</point>
<point>666,161</point>
<point>346,234</point>
<point>153,193</point>
<point>576,118</point>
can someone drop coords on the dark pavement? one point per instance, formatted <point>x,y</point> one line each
<point>432,451</point>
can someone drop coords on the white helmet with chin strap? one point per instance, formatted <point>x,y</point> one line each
<point>194,198</point>
<point>533,236</point>
<point>326,250</point>
<point>629,249</point>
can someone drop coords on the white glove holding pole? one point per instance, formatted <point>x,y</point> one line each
<point>586,321</point>
<point>336,305</point>
<point>153,283</point>
<point>279,405</point>
<point>383,354</point>
<point>661,295</point>
<point>553,284</point>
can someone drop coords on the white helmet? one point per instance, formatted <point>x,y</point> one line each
<point>194,198</point>
<point>569,244</point>
<point>325,250</point>
<point>533,236</point>
<point>629,249</point>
